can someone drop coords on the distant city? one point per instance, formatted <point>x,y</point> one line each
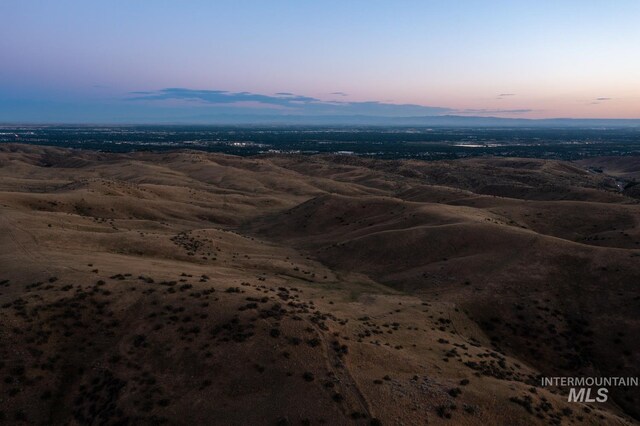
<point>429,143</point>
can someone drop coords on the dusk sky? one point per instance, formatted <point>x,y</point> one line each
<point>166,61</point>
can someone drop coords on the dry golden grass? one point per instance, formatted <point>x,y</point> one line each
<point>194,288</point>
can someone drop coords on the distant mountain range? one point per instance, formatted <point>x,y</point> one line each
<point>356,120</point>
<point>440,120</point>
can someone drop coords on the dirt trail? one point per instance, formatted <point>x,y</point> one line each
<point>340,369</point>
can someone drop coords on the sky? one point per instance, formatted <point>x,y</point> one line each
<point>179,61</point>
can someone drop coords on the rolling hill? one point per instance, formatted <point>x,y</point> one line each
<point>195,288</point>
